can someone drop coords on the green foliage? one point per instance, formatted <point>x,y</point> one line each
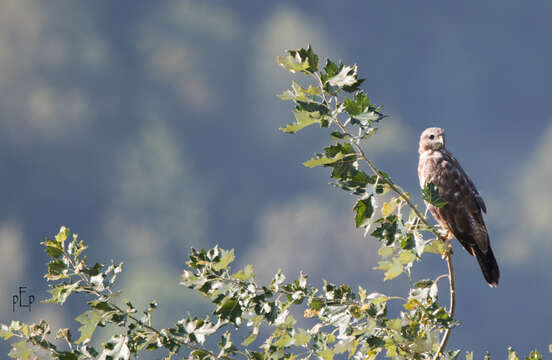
<point>341,322</point>
<point>430,193</point>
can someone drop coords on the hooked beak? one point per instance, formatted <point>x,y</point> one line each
<point>439,143</point>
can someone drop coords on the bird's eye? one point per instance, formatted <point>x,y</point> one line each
<point>431,137</point>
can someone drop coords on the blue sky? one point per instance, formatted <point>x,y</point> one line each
<point>148,128</point>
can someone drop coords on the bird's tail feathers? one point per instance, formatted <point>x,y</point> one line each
<point>488,265</point>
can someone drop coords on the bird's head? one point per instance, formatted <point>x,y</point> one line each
<point>432,139</point>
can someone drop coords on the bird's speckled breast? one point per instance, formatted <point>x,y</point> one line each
<point>437,166</point>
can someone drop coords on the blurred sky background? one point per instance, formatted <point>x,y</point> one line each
<point>150,127</point>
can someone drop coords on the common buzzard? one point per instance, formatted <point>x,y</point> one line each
<point>461,216</point>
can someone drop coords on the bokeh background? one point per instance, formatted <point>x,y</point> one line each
<point>151,127</point>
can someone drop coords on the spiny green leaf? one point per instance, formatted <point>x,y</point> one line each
<point>298,93</point>
<point>388,208</point>
<point>61,292</point>
<point>303,119</point>
<point>320,160</point>
<point>357,105</point>
<point>406,257</point>
<point>385,251</point>
<point>435,247</point>
<point>392,268</point>
<point>336,135</point>
<point>512,355</point>
<point>245,274</point>
<point>53,249</point>
<point>366,117</point>
<point>56,270</point>
<point>229,310</point>
<point>326,354</point>
<point>293,63</point>
<point>330,70</point>
<point>432,196</point>
<point>89,320</point>
<point>302,337</point>
<point>364,211</point>
<point>387,229</point>
<point>308,55</point>
<point>304,60</point>
<point>283,341</point>
<point>346,76</point>
<point>425,283</point>
<point>535,355</point>
<point>226,258</point>
<point>62,235</point>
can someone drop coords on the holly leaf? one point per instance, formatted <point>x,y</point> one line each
<point>357,105</point>
<point>293,63</point>
<point>347,76</point>
<point>303,60</point>
<point>303,119</point>
<point>89,320</point>
<point>364,211</point>
<point>226,258</point>
<point>320,160</point>
<point>432,196</point>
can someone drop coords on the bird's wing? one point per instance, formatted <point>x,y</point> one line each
<point>478,199</point>
<point>462,214</point>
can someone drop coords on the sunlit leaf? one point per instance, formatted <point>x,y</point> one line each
<point>303,119</point>
<point>293,63</point>
<point>326,354</point>
<point>323,160</point>
<point>385,251</point>
<point>534,355</point>
<point>226,258</point>
<point>388,208</point>
<point>245,274</point>
<point>20,350</point>
<point>347,76</point>
<point>406,257</point>
<point>89,320</point>
<point>512,355</point>
<point>435,247</point>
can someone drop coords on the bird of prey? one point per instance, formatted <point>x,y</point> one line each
<point>461,216</point>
